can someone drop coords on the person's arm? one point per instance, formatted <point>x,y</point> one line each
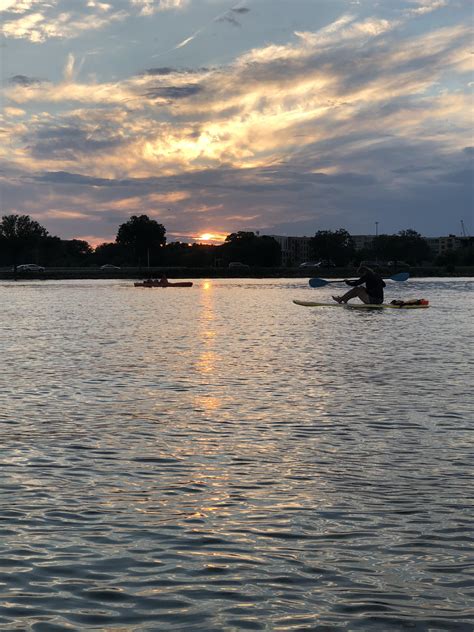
<point>355,282</point>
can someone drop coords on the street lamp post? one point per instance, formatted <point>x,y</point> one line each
<point>376,235</point>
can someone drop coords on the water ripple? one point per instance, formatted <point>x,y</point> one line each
<point>222,459</point>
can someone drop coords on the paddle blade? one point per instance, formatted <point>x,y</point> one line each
<point>401,276</point>
<point>316,282</point>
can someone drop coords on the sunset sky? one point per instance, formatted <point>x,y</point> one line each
<point>212,116</point>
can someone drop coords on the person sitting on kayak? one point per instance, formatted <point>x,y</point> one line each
<point>371,294</point>
<point>163,282</point>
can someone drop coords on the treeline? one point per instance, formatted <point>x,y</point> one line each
<point>407,246</point>
<point>141,242</point>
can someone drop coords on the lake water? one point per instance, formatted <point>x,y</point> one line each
<point>218,458</point>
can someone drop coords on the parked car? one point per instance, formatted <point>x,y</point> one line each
<point>29,267</point>
<point>310,264</point>
<point>238,264</point>
<point>109,266</point>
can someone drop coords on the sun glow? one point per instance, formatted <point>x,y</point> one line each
<point>211,238</point>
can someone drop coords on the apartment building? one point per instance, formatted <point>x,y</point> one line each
<point>297,250</point>
<point>294,250</point>
<point>362,241</point>
<point>443,245</point>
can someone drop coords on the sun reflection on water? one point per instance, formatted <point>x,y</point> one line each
<point>206,362</point>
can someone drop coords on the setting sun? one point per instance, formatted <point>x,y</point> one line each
<point>212,238</point>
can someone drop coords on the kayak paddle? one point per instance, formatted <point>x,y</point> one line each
<point>316,282</point>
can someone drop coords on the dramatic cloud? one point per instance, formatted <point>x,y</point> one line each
<point>360,118</point>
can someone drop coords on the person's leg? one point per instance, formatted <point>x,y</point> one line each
<point>360,292</point>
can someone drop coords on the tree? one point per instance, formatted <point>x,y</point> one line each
<point>175,253</point>
<point>142,237</point>
<point>194,255</point>
<point>249,248</point>
<point>336,246</point>
<point>413,247</point>
<point>386,248</point>
<point>269,251</point>
<point>75,252</point>
<point>21,236</point>
<point>111,253</point>
<point>407,245</point>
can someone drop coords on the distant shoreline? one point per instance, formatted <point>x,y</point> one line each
<point>225,273</point>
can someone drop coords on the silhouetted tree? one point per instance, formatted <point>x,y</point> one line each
<point>175,253</point>
<point>75,252</point>
<point>336,246</point>
<point>112,253</point>
<point>386,248</point>
<point>407,245</point>
<point>249,248</point>
<point>142,236</point>
<point>414,248</point>
<point>21,236</point>
<point>192,256</point>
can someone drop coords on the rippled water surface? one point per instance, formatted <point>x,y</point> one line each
<point>218,458</point>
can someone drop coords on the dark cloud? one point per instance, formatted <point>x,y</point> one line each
<point>66,142</point>
<point>349,179</point>
<point>145,185</point>
<point>23,80</point>
<point>114,217</point>
<point>462,176</point>
<point>173,92</point>
<point>231,20</point>
<point>63,177</point>
<point>160,71</point>
<point>228,17</point>
<point>412,168</point>
<point>165,70</point>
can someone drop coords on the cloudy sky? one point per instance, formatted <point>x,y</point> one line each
<point>212,116</point>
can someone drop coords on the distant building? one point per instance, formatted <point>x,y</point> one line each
<point>297,250</point>
<point>294,250</point>
<point>443,245</point>
<point>438,245</point>
<point>362,241</point>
